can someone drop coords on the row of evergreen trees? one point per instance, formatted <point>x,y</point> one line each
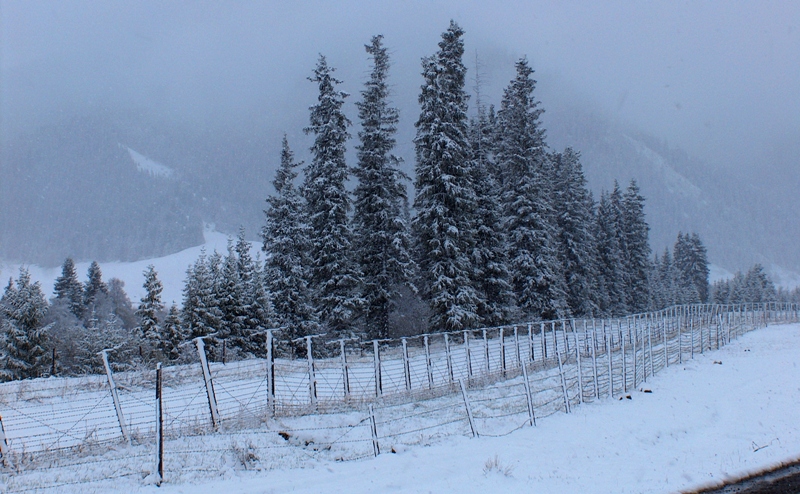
<point>65,334</point>
<point>503,230</point>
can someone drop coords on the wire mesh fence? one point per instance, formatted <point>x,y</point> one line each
<point>369,398</point>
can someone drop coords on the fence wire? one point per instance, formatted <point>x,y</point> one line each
<point>266,408</point>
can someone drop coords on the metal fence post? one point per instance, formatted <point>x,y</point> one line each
<point>270,372</point>
<point>159,425</point>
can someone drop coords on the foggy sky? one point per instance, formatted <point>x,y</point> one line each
<point>719,79</point>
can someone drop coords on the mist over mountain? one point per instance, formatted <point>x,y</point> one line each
<point>695,101</point>
<point>74,188</point>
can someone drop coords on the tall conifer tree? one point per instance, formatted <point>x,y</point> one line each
<point>150,307</point>
<point>445,199</point>
<point>286,244</point>
<point>537,277</point>
<point>637,249</point>
<point>22,311</point>
<point>382,242</point>
<point>68,289</point>
<point>334,277</point>
<point>574,217</point>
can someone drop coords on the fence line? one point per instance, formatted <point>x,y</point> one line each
<point>519,373</point>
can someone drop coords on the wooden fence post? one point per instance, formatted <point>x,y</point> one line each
<point>468,354</point>
<point>4,444</point>
<point>448,357</point>
<point>664,338</point>
<point>531,355</point>
<point>624,363</point>
<point>468,408</point>
<point>159,425</point>
<point>578,363</point>
<point>486,352</point>
<point>501,336</point>
<point>115,396</point>
<point>345,373</point>
<point>428,362</point>
<point>376,448</point>
<point>312,376</point>
<point>376,355</point>
<point>680,339</point>
<point>563,383</point>
<point>212,397</point>
<point>608,342</point>
<point>531,414</point>
<point>594,366</point>
<point>516,345</point>
<point>406,365</point>
<point>650,348</point>
<point>544,343</point>
<point>634,340</point>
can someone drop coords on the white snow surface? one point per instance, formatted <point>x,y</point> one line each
<point>150,167</point>
<point>722,414</point>
<point>171,269</point>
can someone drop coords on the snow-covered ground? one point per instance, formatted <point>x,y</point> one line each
<point>723,414</point>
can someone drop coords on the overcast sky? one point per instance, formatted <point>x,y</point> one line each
<point>719,78</point>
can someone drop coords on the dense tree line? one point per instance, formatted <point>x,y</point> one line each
<point>503,230</point>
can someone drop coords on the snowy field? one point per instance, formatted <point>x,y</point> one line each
<point>171,269</point>
<point>723,414</point>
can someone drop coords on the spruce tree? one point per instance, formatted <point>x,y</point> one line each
<point>199,312</point>
<point>445,199</point>
<point>22,311</point>
<point>150,306</point>
<point>577,250</point>
<point>382,243</point>
<point>254,304</point>
<point>286,244</point>
<point>611,261</point>
<point>758,288</point>
<point>334,276</point>
<point>95,286</point>
<point>637,249</point>
<point>172,335</point>
<point>230,300</point>
<point>68,289</point>
<point>700,271</point>
<point>490,275</point>
<point>537,277</point>
<point>687,266</point>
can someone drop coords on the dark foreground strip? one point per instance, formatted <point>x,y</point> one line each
<point>782,479</point>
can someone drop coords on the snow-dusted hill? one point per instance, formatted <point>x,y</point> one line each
<point>171,269</point>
